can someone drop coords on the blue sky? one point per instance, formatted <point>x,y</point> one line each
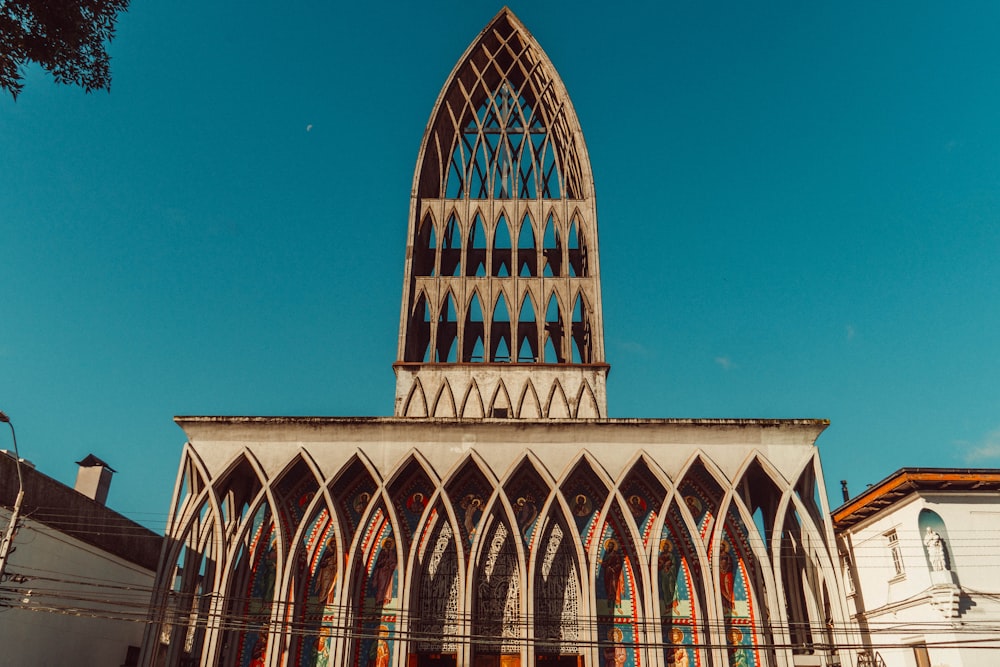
<point>799,213</point>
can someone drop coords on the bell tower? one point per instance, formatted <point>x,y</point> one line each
<point>501,314</point>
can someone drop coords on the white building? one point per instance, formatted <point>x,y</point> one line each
<point>76,586</point>
<point>921,553</point>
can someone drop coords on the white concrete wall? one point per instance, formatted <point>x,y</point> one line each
<point>899,609</point>
<point>90,616</point>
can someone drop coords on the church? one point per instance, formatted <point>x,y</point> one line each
<point>500,518</point>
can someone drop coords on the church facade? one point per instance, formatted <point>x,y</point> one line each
<point>500,517</point>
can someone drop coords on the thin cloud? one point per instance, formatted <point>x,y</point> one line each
<point>634,347</point>
<point>987,449</point>
<point>309,127</point>
<point>725,362</point>
<point>850,331</point>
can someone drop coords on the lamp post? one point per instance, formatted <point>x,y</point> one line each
<point>8,537</point>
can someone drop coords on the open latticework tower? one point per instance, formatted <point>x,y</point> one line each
<point>501,309</point>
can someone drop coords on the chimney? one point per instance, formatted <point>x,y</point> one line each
<point>843,490</point>
<point>94,478</point>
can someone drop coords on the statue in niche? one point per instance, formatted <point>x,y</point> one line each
<point>935,549</point>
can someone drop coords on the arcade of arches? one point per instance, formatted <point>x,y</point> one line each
<point>499,518</point>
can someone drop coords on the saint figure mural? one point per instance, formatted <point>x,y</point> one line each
<point>727,581</point>
<point>385,568</point>
<point>614,580</point>
<point>668,574</point>
<point>678,656</point>
<point>615,654</point>
<point>380,649</point>
<point>326,574</point>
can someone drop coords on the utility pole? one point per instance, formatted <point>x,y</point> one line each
<point>8,537</point>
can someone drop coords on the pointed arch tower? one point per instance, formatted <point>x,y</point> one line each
<point>503,156</point>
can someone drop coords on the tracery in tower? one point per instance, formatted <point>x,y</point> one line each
<point>501,130</point>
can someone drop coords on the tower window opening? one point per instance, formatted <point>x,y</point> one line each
<point>554,333</point>
<point>576,251</point>
<point>581,333</point>
<point>451,248</point>
<point>447,332</point>
<point>474,332</point>
<point>424,248</point>
<point>500,333</point>
<point>502,248</point>
<point>527,255</point>
<point>475,252</point>
<point>552,251</point>
<point>527,332</point>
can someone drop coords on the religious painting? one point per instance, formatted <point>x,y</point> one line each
<point>527,493</point>
<point>643,497</point>
<point>617,596</point>
<point>320,580</point>
<point>379,588</point>
<point>736,574</point>
<point>585,494</point>
<point>262,555</point>
<point>675,582</point>
<point>469,491</point>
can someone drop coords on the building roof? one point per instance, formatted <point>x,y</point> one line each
<point>905,481</point>
<point>62,508</point>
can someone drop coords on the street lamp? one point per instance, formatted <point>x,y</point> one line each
<point>8,537</point>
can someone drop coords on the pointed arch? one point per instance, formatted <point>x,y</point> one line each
<point>581,334</point>
<point>500,405</point>
<point>501,257</point>
<point>416,402</point>
<point>444,404</point>
<point>500,332</point>
<point>527,331</point>
<point>475,251</point>
<point>437,598</point>
<point>446,348</point>
<point>474,331</point>
<point>557,407</point>
<point>586,403</point>
<point>528,406</point>
<point>554,332</point>
<point>472,404</point>
<point>527,252</point>
<point>503,125</point>
<point>418,337</point>
<point>425,247</point>
<point>451,246</point>
<point>551,248</point>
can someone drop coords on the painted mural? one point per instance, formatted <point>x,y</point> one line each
<point>679,608</point>
<point>617,596</point>
<point>736,577</point>
<point>341,558</point>
<point>259,592</point>
<point>378,581</point>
